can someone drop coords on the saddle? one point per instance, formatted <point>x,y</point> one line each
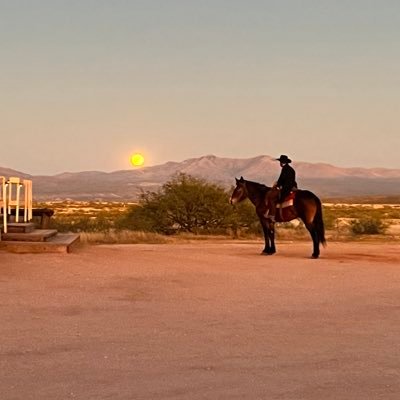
<point>287,201</point>
<point>284,210</point>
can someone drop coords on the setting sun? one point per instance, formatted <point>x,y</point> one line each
<point>137,160</point>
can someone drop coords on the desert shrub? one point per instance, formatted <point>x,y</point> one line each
<point>362,212</point>
<point>244,219</point>
<point>183,204</point>
<point>367,226</point>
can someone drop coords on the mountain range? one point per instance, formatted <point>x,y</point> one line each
<point>325,180</point>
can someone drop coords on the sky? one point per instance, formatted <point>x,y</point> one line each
<point>86,83</point>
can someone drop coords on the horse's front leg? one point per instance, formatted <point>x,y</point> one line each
<point>269,236</point>
<point>267,247</point>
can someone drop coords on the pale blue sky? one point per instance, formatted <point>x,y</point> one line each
<point>84,83</point>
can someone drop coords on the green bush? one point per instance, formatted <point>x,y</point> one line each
<point>367,226</point>
<point>185,204</point>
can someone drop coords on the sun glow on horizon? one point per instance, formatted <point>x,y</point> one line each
<point>137,160</point>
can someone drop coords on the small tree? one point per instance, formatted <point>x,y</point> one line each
<point>245,219</point>
<point>183,204</point>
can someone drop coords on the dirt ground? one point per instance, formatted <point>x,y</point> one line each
<point>201,321</point>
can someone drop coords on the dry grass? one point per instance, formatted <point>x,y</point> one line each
<point>124,237</point>
<point>132,237</point>
<point>135,237</point>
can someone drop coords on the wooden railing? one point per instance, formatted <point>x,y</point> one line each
<point>11,201</point>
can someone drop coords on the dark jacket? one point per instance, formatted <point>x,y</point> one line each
<point>287,179</point>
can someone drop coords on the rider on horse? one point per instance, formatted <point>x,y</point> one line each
<point>285,184</point>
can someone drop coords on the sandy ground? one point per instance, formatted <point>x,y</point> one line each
<point>201,321</point>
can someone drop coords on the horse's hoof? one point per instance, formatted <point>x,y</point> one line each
<point>267,253</point>
<point>315,256</point>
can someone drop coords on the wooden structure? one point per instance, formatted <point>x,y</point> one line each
<point>33,234</point>
<point>25,238</point>
<point>41,216</point>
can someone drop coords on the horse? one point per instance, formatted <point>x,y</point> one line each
<point>306,206</point>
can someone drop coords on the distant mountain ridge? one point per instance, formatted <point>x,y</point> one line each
<point>323,179</point>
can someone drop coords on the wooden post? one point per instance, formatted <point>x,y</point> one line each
<point>14,202</point>
<point>3,202</point>
<point>27,184</point>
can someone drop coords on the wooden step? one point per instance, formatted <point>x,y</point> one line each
<point>20,227</point>
<point>37,235</point>
<point>61,243</point>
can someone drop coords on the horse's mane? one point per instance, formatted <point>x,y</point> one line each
<point>260,186</point>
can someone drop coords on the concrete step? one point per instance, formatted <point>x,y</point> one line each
<point>37,235</point>
<point>61,243</point>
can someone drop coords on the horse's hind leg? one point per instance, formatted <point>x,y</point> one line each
<point>315,239</point>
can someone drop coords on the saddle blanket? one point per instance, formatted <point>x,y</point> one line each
<point>288,201</point>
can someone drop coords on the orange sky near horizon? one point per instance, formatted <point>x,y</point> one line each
<point>86,84</point>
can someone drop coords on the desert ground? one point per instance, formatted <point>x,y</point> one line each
<point>204,320</point>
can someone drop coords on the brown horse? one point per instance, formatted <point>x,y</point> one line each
<point>306,206</point>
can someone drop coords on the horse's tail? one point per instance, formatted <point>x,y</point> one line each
<point>319,222</point>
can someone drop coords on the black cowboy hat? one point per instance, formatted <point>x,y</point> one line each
<point>284,159</point>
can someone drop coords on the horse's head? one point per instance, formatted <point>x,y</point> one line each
<point>240,191</point>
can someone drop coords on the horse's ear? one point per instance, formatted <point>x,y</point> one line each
<point>236,179</point>
<point>241,179</point>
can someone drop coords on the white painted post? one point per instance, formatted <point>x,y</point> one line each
<point>27,184</point>
<point>11,202</point>
<point>3,201</point>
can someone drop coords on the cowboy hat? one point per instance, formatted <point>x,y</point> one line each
<point>284,159</point>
